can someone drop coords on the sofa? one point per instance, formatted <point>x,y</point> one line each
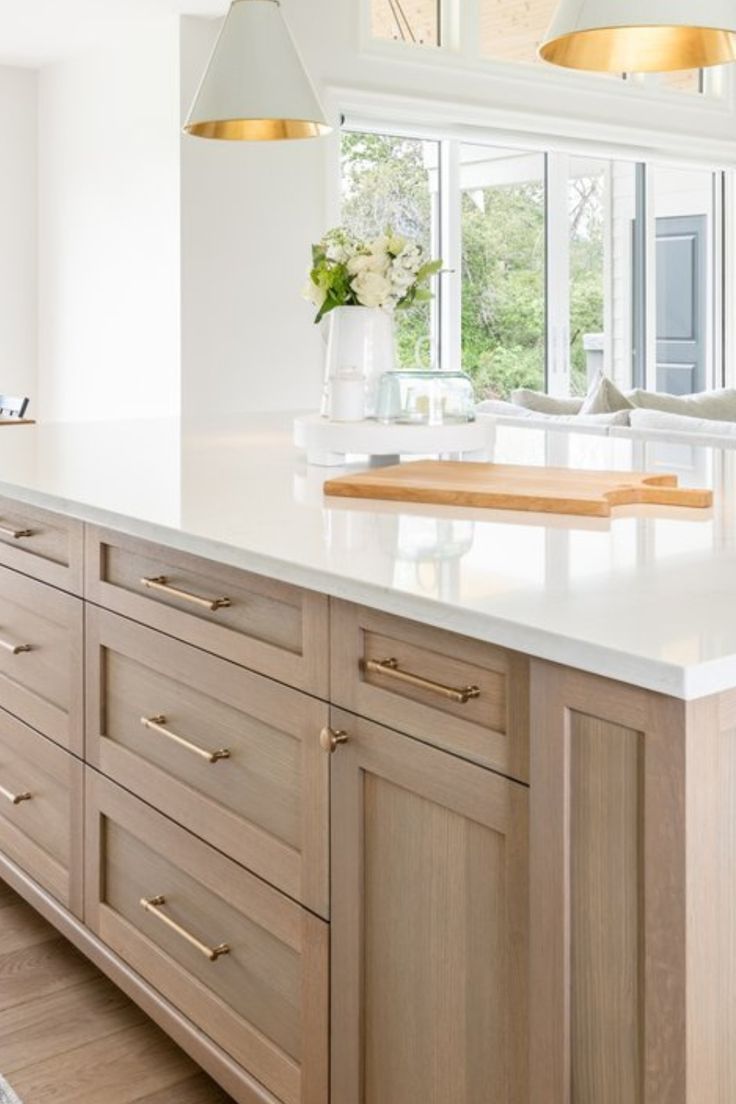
<point>706,417</point>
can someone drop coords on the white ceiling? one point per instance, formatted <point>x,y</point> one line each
<point>35,32</point>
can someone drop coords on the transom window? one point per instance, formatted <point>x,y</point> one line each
<point>556,265</point>
<point>506,31</point>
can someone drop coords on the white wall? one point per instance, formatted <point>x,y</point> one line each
<point>250,213</point>
<point>18,236</point>
<point>109,334</point>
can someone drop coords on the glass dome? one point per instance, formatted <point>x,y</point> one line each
<point>415,397</point>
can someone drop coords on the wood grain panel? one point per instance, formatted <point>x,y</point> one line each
<point>268,626</point>
<point>711,848</point>
<point>267,804</point>
<point>44,833</point>
<point>44,685</point>
<point>51,548</point>
<point>606,764</point>
<point>195,1090</point>
<point>39,969</point>
<point>492,729</point>
<point>256,1000</point>
<point>136,1060</point>
<point>429,997</point>
<point>39,1030</point>
<point>608,892</point>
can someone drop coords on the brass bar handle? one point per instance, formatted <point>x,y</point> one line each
<point>14,799</point>
<point>390,669</point>
<point>330,739</point>
<point>15,534</point>
<point>14,649</point>
<point>156,724</point>
<point>154,905</point>
<point>161,582</point>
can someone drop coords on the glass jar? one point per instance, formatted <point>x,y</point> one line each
<point>414,397</point>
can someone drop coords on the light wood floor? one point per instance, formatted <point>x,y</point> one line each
<point>68,1036</point>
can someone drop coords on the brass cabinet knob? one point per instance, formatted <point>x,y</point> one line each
<point>330,740</point>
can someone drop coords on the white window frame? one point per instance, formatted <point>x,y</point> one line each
<point>447,310</point>
<point>460,47</point>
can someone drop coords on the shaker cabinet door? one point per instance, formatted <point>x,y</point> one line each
<point>429,924</point>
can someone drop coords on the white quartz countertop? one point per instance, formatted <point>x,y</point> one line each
<point>648,596</point>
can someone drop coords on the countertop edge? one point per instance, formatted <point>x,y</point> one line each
<point>686,683</point>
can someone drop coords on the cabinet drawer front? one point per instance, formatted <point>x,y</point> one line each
<point>156,708</point>
<point>465,696</point>
<point>41,810</point>
<point>274,628</point>
<point>42,544</point>
<point>244,963</point>
<point>41,678</point>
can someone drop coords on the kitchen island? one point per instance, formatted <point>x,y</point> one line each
<point>383,804</point>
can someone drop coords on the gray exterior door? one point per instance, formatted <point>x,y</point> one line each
<point>681,304</point>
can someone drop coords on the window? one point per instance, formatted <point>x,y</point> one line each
<point>394,182</point>
<point>413,21</point>
<point>511,30</point>
<point>506,31</point>
<point>686,80</point>
<point>587,193</point>
<point>503,268</point>
<point>556,265</point>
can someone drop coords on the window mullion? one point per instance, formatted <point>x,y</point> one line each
<point>452,256</point>
<point>558,274</point>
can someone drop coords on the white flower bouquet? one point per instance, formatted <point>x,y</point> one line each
<point>391,272</point>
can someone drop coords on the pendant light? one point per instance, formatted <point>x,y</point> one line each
<point>641,36</point>
<point>255,87</point>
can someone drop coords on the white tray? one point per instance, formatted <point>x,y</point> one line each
<point>327,443</point>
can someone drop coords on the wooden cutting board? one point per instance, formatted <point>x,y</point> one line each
<point>513,487</point>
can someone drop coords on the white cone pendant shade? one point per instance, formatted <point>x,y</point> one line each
<point>641,36</point>
<point>255,87</point>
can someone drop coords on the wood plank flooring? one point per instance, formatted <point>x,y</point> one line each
<point>68,1036</point>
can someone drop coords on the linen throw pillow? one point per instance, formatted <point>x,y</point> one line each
<point>716,405</point>
<point>604,397</point>
<point>544,404</point>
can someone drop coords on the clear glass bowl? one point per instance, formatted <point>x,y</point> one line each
<point>414,397</point>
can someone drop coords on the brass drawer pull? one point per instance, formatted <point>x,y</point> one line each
<point>390,669</point>
<point>330,739</point>
<point>161,582</point>
<point>14,649</point>
<point>154,904</point>
<point>14,799</point>
<point>156,724</point>
<point>15,534</point>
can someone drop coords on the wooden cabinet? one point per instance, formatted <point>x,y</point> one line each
<point>268,626</point>
<point>526,874</point>
<point>231,755</point>
<point>41,658</point>
<point>41,798</point>
<point>42,544</point>
<point>429,925</point>
<point>465,696</point>
<point>244,963</point>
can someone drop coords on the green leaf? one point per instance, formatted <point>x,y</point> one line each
<point>431,268</point>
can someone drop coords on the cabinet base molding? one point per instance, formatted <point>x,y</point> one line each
<point>214,1061</point>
